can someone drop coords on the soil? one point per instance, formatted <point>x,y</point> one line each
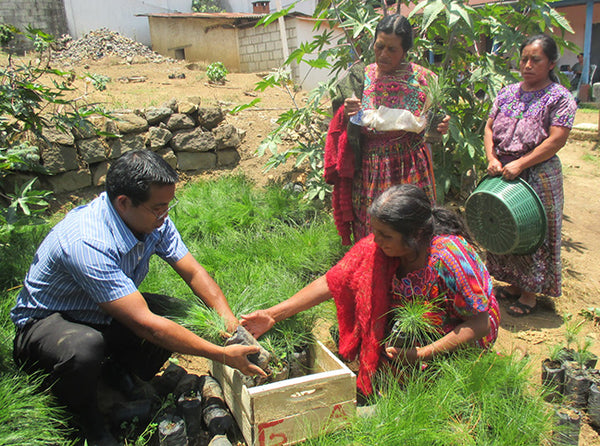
<point>528,336</point>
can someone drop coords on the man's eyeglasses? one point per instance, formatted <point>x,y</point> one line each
<point>165,213</point>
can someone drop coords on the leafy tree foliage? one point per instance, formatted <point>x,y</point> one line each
<point>27,105</point>
<point>206,6</point>
<point>474,51</point>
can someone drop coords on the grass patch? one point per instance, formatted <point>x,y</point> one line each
<point>588,107</point>
<point>469,399</point>
<point>593,158</point>
<point>29,416</point>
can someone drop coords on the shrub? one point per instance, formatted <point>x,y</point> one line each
<point>217,73</point>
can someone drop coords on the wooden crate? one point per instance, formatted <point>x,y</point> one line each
<point>293,410</point>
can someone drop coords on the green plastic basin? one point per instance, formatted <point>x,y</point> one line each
<point>506,217</point>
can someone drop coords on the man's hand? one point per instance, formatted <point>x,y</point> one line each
<point>258,322</point>
<point>231,323</point>
<point>236,356</point>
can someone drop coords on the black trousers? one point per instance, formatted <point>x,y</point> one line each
<point>73,355</point>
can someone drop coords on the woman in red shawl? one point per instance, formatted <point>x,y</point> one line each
<point>415,251</point>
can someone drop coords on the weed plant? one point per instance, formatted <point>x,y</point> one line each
<point>468,399</point>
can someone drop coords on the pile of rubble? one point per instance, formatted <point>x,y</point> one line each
<point>103,43</point>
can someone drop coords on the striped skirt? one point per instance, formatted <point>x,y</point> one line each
<point>388,159</point>
<point>539,272</point>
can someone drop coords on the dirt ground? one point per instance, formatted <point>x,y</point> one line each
<point>530,336</point>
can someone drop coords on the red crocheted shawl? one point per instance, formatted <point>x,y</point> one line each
<point>360,285</point>
<point>339,171</point>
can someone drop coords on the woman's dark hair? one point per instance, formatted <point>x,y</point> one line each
<point>133,174</point>
<point>399,25</point>
<point>406,209</point>
<point>549,48</point>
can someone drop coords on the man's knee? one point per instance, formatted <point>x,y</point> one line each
<point>86,349</point>
<point>55,344</point>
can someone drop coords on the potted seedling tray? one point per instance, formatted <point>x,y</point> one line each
<point>293,410</point>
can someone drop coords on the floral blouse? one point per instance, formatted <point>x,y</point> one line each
<point>522,119</point>
<point>456,281</point>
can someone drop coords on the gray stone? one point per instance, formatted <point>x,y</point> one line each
<point>187,108</point>
<point>158,137</point>
<point>226,136</point>
<point>196,161</point>
<point>131,123</point>
<point>197,100</point>
<point>178,121</point>
<point>157,114</point>
<point>228,157</point>
<point>119,146</point>
<point>210,117</point>
<point>57,158</point>
<point>70,181</point>
<point>92,150</point>
<point>169,156</point>
<point>54,135</point>
<point>88,129</point>
<point>193,141</point>
<point>99,171</point>
<point>110,127</point>
<point>172,104</point>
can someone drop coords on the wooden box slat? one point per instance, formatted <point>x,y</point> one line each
<point>293,410</point>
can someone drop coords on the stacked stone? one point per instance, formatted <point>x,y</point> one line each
<point>103,43</point>
<point>189,137</point>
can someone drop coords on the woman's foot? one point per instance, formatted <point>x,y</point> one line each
<point>510,292</point>
<point>524,306</point>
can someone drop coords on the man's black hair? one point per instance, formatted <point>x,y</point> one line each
<point>133,174</point>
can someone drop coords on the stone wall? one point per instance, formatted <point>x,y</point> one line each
<point>188,136</point>
<point>47,15</point>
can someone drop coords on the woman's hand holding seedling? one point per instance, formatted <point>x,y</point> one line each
<point>408,355</point>
<point>258,322</point>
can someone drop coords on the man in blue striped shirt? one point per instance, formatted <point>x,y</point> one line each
<point>80,308</point>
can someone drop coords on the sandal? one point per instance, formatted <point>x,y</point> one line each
<point>502,293</point>
<point>526,310</point>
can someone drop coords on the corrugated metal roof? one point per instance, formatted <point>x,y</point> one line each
<point>213,15</point>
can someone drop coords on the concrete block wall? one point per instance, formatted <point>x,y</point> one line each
<point>47,15</point>
<point>260,48</point>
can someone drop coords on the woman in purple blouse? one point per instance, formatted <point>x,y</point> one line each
<point>529,123</point>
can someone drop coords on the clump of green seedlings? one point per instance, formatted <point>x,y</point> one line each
<point>217,73</point>
<point>414,322</point>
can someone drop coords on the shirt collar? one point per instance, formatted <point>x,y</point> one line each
<point>124,237</point>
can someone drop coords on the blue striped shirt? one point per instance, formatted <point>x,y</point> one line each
<point>90,257</point>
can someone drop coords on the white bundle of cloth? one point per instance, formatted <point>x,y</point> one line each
<point>387,119</point>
